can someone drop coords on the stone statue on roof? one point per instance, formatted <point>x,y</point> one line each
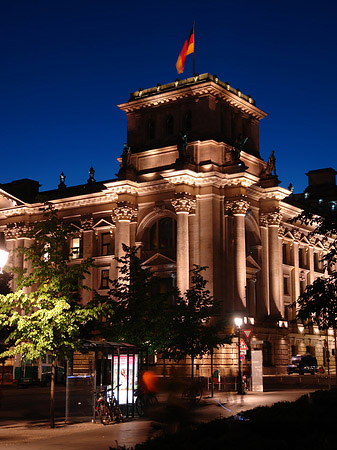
<point>271,164</point>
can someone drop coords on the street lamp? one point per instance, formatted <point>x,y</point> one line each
<point>3,255</point>
<point>238,323</point>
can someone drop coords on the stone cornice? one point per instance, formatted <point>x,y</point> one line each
<point>203,85</point>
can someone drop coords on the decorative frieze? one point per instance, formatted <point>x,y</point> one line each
<point>297,234</point>
<point>183,203</point>
<point>125,211</point>
<point>16,230</point>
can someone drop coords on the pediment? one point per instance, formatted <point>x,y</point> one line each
<point>252,265</point>
<point>8,200</point>
<point>158,260</point>
<point>103,223</point>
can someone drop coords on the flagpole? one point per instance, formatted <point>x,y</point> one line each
<point>193,49</point>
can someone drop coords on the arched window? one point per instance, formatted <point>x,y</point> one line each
<point>188,121</point>
<point>169,126</point>
<point>151,129</point>
<point>163,234</point>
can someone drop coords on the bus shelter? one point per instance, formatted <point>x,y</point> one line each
<point>102,364</point>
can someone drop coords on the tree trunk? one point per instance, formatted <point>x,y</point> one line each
<point>3,372</point>
<point>52,393</point>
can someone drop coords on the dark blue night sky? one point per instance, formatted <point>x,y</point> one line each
<point>65,65</point>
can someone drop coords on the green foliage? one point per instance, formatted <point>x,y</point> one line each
<point>318,304</point>
<point>142,315</point>
<point>165,322</point>
<point>45,313</point>
<point>193,334</point>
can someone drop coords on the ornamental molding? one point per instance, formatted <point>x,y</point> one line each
<point>87,222</point>
<point>297,234</point>
<point>238,207</point>
<point>125,211</point>
<point>270,218</point>
<point>62,205</point>
<point>274,217</point>
<point>282,231</point>
<point>183,203</point>
<point>16,230</point>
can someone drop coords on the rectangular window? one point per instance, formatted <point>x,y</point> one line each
<point>302,286</point>
<point>316,262</point>
<point>300,257</point>
<point>285,285</point>
<point>105,244</point>
<point>284,250</point>
<point>75,248</point>
<point>104,279</point>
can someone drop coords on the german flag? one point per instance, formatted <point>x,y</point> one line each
<point>187,49</point>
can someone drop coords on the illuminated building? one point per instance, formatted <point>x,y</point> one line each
<point>192,189</point>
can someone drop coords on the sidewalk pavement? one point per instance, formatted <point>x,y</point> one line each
<point>25,435</point>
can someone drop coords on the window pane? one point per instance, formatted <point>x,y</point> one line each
<point>75,249</point>
<point>106,244</point>
<point>153,237</point>
<point>104,279</point>
<point>165,233</point>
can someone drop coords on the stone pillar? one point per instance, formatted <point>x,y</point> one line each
<point>311,265</point>
<point>88,236</point>
<point>183,204</point>
<point>124,214</point>
<point>263,305</point>
<point>296,280</point>
<point>275,263</point>
<point>239,208</point>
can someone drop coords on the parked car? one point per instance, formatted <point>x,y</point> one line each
<point>302,364</point>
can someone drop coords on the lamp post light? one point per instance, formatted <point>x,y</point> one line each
<point>238,323</point>
<point>3,255</point>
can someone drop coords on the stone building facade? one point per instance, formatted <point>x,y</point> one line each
<point>193,189</point>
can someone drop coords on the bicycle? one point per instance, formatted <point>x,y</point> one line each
<point>108,408</point>
<point>193,392</point>
<point>144,401</point>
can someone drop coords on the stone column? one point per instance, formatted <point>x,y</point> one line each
<point>311,265</point>
<point>296,280</point>
<point>239,208</point>
<point>275,262</point>
<point>183,204</point>
<point>88,236</point>
<point>124,214</point>
<point>263,306</point>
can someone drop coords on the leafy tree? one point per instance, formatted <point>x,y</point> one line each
<point>196,330</point>
<point>167,323</point>
<point>5,278</point>
<point>45,313</point>
<point>141,314</point>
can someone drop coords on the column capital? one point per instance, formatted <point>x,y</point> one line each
<point>87,222</point>
<point>183,202</point>
<point>125,212</point>
<point>16,230</point>
<point>272,218</point>
<point>239,207</point>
